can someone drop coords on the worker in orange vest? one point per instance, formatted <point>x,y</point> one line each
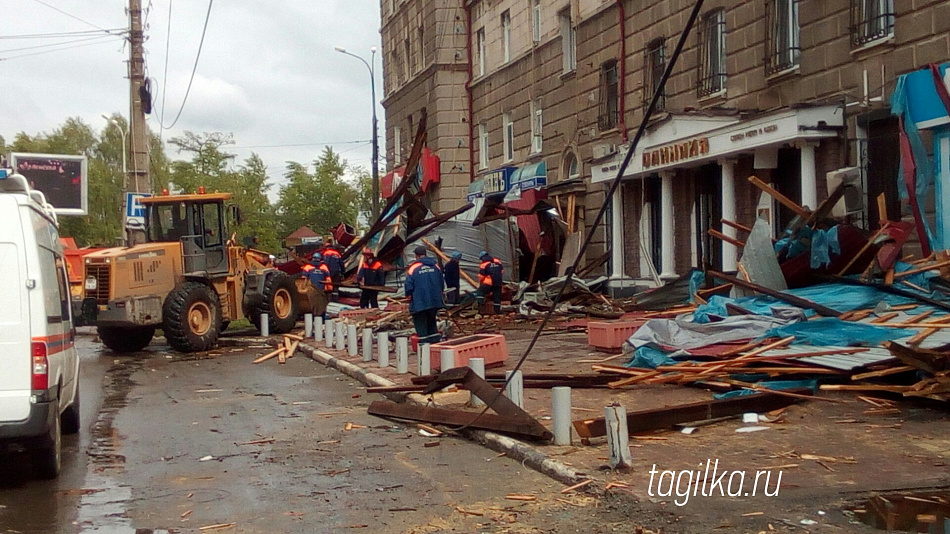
<point>319,273</point>
<point>370,273</point>
<point>490,274</point>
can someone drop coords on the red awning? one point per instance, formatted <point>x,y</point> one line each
<point>430,166</point>
<point>389,182</point>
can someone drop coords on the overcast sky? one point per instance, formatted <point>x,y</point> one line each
<point>268,72</point>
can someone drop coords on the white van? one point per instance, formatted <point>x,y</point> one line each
<point>39,365</point>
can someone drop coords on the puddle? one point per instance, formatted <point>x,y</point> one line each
<point>910,512</point>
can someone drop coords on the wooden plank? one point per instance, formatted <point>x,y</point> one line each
<point>885,372</point>
<point>269,355</point>
<point>456,418</point>
<point>656,419</point>
<point>784,297</point>
<point>782,199</point>
<point>884,318</point>
<point>721,236</point>
<point>445,258</point>
<point>868,387</point>
<point>736,225</point>
<point>864,249</point>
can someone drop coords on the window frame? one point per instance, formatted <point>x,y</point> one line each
<point>869,27</point>
<point>608,116</point>
<point>483,159</point>
<point>480,50</point>
<point>712,74</point>
<point>506,35</point>
<point>537,126</point>
<point>508,136</point>
<point>397,146</point>
<point>536,20</point>
<point>653,71</point>
<point>785,54</point>
<point>568,41</point>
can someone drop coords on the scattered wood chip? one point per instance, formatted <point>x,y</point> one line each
<point>460,510</point>
<point>435,432</point>
<point>430,444</point>
<point>186,514</point>
<point>577,486</point>
<point>753,514</point>
<point>517,497</point>
<point>219,526</point>
<point>258,442</point>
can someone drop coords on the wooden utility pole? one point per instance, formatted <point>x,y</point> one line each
<point>138,140</point>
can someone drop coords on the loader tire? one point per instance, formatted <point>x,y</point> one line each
<point>191,317</point>
<point>123,339</point>
<point>279,302</point>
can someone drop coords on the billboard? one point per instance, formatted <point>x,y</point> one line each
<point>63,179</point>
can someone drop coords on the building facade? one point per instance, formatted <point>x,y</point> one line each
<point>787,91</point>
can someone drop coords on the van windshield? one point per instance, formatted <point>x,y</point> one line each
<point>168,222</point>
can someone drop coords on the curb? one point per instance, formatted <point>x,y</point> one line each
<point>526,454</point>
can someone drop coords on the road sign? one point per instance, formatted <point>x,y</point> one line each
<point>134,210</point>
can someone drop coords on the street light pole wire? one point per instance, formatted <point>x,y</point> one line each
<point>62,35</point>
<point>193,70</point>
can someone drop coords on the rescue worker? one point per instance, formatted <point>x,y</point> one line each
<point>334,259</point>
<point>370,273</point>
<point>319,273</point>
<point>424,285</point>
<point>453,280</point>
<point>489,279</point>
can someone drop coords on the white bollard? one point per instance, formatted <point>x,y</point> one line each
<point>618,439</point>
<point>515,388</point>
<point>367,344</point>
<point>340,336</point>
<point>402,355</point>
<point>318,328</point>
<point>265,325</point>
<point>353,340</point>
<point>383,341</point>
<point>561,415</point>
<point>329,333</point>
<point>447,360</point>
<point>425,359</point>
<point>477,365</point>
<point>307,325</point>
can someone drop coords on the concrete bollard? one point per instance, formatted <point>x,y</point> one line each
<point>340,336</point>
<point>353,340</point>
<point>447,359</point>
<point>618,439</point>
<point>318,328</point>
<point>402,355</point>
<point>265,325</point>
<point>425,359</point>
<point>477,365</point>
<point>329,333</point>
<point>307,325</point>
<point>367,344</point>
<point>383,341</point>
<point>515,388</point>
<point>561,415</point>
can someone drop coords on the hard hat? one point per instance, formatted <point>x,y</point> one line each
<point>316,257</point>
<point>457,255</point>
<point>483,253</point>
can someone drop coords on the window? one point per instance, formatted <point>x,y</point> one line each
<point>410,59</point>
<point>480,50</point>
<point>509,139</point>
<point>871,20</point>
<point>392,7</point>
<point>536,125</point>
<point>783,45</point>
<point>568,41</point>
<point>609,96</point>
<point>212,221</point>
<point>397,145</point>
<point>654,67</point>
<point>572,166</point>
<point>421,47</point>
<point>482,146</point>
<point>506,35</point>
<point>536,20</point>
<point>712,56</point>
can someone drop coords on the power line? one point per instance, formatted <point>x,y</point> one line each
<point>61,35</point>
<point>86,22</point>
<point>48,45</point>
<point>108,39</point>
<point>193,70</point>
<point>168,40</point>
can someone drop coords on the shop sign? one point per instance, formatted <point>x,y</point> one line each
<point>753,133</point>
<point>676,152</point>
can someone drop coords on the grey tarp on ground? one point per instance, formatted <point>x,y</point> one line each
<point>460,235</point>
<point>682,333</point>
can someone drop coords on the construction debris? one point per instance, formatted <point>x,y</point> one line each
<point>284,351</point>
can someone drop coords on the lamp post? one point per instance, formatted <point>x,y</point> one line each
<point>372,76</point>
<point>125,170</point>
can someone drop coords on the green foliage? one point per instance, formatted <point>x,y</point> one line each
<point>320,200</point>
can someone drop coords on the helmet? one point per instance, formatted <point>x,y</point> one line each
<point>457,255</point>
<point>317,257</point>
<point>483,253</point>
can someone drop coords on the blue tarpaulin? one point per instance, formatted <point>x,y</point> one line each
<point>777,385</point>
<point>838,333</point>
<point>650,357</point>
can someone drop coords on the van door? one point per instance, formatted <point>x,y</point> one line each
<point>15,379</point>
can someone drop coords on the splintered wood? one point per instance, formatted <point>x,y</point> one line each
<point>284,351</point>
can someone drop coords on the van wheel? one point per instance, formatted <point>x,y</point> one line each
<point>192,317</point>
<point>279,303</point>
<point>122,339</point>
<point>47,457</point>
<point>70,418</point>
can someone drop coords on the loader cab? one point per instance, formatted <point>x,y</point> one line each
<point>198,222</point>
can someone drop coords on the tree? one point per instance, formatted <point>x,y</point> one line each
<point>364,194</point>
<point>320,200</point>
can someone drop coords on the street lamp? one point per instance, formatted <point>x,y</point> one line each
<point>125,170</point>
<point>372,80</point>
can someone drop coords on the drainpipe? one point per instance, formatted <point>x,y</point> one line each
<point>622,122</point>
<point>468,92</point>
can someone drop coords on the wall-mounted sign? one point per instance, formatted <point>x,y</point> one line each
<point>755,132</point>
<point>677,152</point>
<point>62,179</point>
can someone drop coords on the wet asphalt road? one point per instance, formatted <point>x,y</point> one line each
<point>167,446</point>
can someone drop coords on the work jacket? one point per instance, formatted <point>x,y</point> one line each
<point>334,261</point>
<point>424,284</point>
<point>490,272</point>
<point>320,276</point>
<point>371,273</point>
<point>452,275</point>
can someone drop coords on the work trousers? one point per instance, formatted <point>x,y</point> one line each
<point>452,296</point>
<point>369,299</point>
<point>427,327</point>
<point>482,294</point>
